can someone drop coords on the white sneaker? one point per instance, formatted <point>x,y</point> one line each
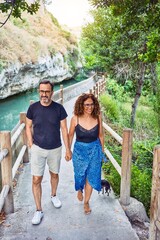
<point>56,202</point>
<point>37,217</point>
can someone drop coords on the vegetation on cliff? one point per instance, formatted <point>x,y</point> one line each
<point>25,40</point>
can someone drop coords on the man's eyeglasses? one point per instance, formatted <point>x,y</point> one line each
<point>46,92</point>
<point>88,105</point>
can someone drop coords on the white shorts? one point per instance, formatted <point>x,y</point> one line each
<point>40,156</point>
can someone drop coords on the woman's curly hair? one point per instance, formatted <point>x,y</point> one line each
<point>79,105</point>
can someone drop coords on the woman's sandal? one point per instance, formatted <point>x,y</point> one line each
<point>87,209</point>
<point>80,195</point>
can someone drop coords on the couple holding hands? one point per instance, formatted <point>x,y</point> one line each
<point>45,120</point>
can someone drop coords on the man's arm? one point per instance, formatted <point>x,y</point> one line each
<point>64,130</point>
<point>72,129</point>
<point>29,131</point>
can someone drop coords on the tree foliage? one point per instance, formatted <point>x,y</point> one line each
<point>19,6</point>
<point>15,8</point>
<point>124,38</point>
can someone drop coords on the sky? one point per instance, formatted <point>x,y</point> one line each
<point>72,13</point>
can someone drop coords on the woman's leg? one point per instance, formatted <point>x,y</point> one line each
<point>80,195</point>
<point>88,191</point>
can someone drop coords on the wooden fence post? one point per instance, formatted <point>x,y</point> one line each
<point>90,91</point>
<point>100,86</point>
<point>24,137</point>
<point>103,84</point>
<point>94,90</point>
<point>154,231</point>
<point>6,168</point>
<point>126,167</point>
<point>61,93</point>
<point>97,90</point>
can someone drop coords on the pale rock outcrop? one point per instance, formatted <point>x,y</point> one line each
<point>22,77</point>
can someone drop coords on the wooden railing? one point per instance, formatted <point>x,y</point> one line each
<point>125,169</point>
<point>9,143</point>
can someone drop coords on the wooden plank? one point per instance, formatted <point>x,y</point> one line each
<point>18,161</point>
<point>154,229</point>
<point>113,161</point>
<point>3,154</point>
<point>17,133</point>
<point>113,133</point>
<point>126,167</point>
<point>24,137</point>
<point>3,195</point>
<point>6,168</point>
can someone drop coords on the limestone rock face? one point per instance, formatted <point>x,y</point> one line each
<point>19,78</point>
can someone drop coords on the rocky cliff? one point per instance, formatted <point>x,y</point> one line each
<point>20,77</point>
<point>34,49</point>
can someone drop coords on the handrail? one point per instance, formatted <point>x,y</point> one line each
<point>113,133</point>
<point>3,154</point>
<point>18,161</point>
<point>17,133</point>
<point>3,195</point>
<point>125,170</point>
<point>113,161</point>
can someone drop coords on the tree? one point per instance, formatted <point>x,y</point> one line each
<point>128,39</point>
<point>15,8</point>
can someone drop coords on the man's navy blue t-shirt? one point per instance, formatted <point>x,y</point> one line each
<point>46,124</point>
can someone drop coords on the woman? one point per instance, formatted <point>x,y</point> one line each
<point>88,148</point>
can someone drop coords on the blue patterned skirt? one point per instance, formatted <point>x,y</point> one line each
<point>87,162</point>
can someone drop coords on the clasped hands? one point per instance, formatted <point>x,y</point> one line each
<point>68,155</point>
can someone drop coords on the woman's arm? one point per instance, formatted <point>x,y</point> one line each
<point>101,132</point>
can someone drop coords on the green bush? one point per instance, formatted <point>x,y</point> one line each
<point>110,107</point>
<point>54,20</point>
<point>141,183</point>
<point>113,177</point>
<point>116,90</point>
<point>81,76</point>
<point>143,153</point>
<point>21,23</point>
<point>146,123</point>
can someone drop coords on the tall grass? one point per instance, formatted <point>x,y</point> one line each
<point>117,108</point>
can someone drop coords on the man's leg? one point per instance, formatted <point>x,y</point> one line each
<point>37,191</point>
<point>54,167</point>
<point>54,183</point>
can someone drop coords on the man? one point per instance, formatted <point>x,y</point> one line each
<point>45,119</point>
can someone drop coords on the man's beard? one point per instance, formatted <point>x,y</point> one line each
<point>45,99</point>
